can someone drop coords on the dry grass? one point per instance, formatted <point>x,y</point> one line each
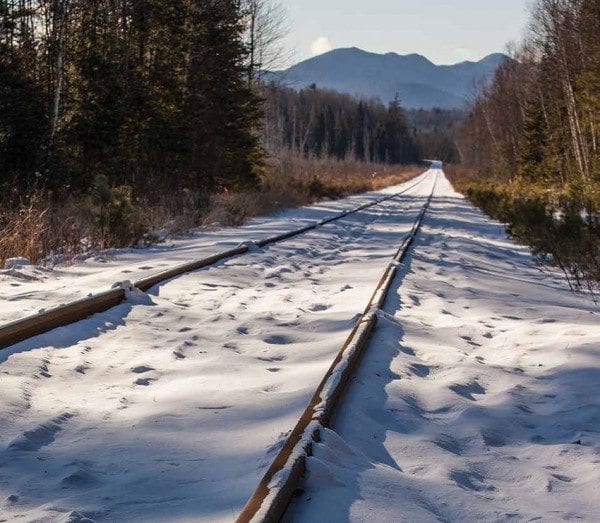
<point>37,229</point>
<point>291,181</point>
<point>23,230</point>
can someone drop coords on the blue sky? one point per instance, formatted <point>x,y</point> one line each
<point>444,31</point>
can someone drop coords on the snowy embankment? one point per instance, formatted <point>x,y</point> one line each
<point>478,397</point>
<point>170,405</point>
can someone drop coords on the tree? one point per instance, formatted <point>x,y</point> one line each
<point>265,27</point>
<point>223,110</point>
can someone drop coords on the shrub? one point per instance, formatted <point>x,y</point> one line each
<point>120,220</point>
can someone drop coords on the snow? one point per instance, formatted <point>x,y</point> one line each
<point>478,397</point>
<point>172,406</point>
<point>16,263</point>
<point>25,288</point>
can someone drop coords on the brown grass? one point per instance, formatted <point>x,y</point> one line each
<point>36,228</point>
<point>291,181</point>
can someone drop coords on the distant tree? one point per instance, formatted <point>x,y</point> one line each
<point>323,123</point>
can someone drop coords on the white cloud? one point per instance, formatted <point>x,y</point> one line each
<point>321,45</point>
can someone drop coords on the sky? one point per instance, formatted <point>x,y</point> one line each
<point>445,31</point>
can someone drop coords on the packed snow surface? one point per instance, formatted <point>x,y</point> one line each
<point>478,397</point>
<point>170,405</point>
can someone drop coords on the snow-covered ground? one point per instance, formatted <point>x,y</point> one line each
<point>478,398</point>
<point>25,290</point>
<point>170,405</point>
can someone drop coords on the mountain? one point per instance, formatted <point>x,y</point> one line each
<point>417,81</point>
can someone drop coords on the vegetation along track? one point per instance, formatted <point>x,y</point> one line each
<point>270,499</point>
<point>47,320</point>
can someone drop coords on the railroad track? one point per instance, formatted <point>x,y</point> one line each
<point>33,325</point>
<point>271,497</point>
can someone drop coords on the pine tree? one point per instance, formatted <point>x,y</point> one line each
<point>223,110</point>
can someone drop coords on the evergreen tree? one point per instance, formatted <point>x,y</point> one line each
<point>223,110</point>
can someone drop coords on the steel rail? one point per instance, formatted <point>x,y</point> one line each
<point>271,497</point>
<point>44,321</point>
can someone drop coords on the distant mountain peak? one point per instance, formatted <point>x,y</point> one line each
<point>418,81</point>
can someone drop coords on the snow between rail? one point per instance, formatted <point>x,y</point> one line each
<point>270,499</point>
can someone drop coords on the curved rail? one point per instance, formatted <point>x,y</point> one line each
<point>270,499</point>
<point>77,310</point>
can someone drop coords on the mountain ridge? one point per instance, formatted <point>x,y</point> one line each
<point>413,77</point>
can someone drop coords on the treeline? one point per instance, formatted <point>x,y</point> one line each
<point>533,135</point>
<point>323,123</point>
<point>539,120</point>
<point>118,117</point>
<point>151,94</point>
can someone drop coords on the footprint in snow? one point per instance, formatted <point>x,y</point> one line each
<point>141,369</point>
<point>144,381</point>
<point>277,339</point>
<point>470,481</point>
<point>318,307</point>
<point>470,341</point>
<point>231,346</point>
<point>493,437</point>
<point>271,358</point>
<point>467,391</point>
<point>450,444</point>
<point>41,436</point>
<point>420,370</point>
<point>408,350</point>
<point>415,300</point>
<point>43,370</point>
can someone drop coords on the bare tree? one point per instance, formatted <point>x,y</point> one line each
<point>61,7</point>
<point>266,27</point>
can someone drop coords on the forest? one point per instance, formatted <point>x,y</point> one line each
<point>530,148</point>
<point>118,118</point>
<point>319,122</point>
<point>122,120</point>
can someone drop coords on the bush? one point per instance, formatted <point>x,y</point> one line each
<point>560,228</point>
<point>120,220</point>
